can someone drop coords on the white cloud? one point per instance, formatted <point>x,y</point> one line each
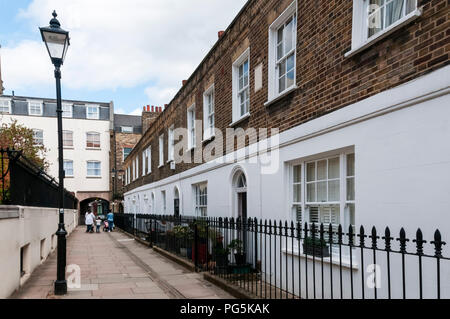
<point>136,112</point>
<point>118,44</point>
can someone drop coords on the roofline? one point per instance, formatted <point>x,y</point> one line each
<point>53,99</point>
<point>197,68</point>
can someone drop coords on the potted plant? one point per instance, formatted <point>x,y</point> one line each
<point>238,247</point>
<point>315,246</point>
<point>221,255</point>
<point>184,236</point>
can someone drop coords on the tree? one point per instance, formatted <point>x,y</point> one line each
<point>20,138</point>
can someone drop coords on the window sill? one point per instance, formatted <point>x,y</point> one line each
<point>280,96</point>
<point>242,118</point>
<point>383,34</point>
<point>93,177</point>
<point>162,165</point>
<point>69,148</point>
<point>69,176</point>
<point>335,261</point>
<point>93,149</point>
<point>190,149</point>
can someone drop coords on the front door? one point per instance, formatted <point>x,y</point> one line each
<point>242,210</point>
<point>176,207</point>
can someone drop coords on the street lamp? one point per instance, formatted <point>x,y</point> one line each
<point>57,42</point>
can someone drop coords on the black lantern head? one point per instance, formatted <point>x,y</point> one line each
<point>56,41</point>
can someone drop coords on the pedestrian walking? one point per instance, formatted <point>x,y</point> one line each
<point>110,218</point>
<point>98,223</point>
<point>90,217</point>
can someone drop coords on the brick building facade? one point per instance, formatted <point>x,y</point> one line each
<point>359,92</point>
<point>327,78</point>
<point>125,135</point>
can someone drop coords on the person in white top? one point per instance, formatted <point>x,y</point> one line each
<point>90,221</point>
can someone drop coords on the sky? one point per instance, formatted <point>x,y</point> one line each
<point>134,52</point>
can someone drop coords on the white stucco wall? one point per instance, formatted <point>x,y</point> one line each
<point>22,226</point>
<point>79,153</point>
<point>400,138</point>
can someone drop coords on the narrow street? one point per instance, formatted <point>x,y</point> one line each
<point>115,266</point>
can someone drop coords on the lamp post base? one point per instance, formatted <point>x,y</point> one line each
<point>60,287</point>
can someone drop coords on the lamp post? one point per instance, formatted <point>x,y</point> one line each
<point>57,42</point>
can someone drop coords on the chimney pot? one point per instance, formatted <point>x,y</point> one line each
<point>184,82</point>
<point>148,108</point>
<point>153,108</point>
<point>220,34</point>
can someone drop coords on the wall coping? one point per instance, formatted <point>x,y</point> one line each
<point>9,211</point>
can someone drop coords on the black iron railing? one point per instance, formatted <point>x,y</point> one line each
<point>274,259</point>
<point>23,183</point>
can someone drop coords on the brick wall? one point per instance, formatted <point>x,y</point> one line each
<point>326,80</point>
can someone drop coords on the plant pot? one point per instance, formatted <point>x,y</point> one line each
<point>221,260</point>
<point>317,251</point>
<point>183,252</point>
<point>239,258</point>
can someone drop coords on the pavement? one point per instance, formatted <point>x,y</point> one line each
<point>114,266</point>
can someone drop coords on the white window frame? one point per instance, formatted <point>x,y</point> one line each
<point>208,130</point>
<point>8,102</point>
<point>343,203</point>
<point>123,152</point>
<point>93,116</point>
<point>144,162</point>
<point>236,105</point>
<point>191,127</point>
<point>99,140</point>
<point>65,171</point>
<point>273,84</point>
<point>148,152</point>
<point>65,140</point>
<point>200,199</point>
<point>360,37</point>
<point>161,150</point>
<point>35,104</point>
<point>164,202</point>
<point>171,144</point>
<point>67,113</point>
<point>126,129</point>
<point>34,136</point>
<point>99,169</point>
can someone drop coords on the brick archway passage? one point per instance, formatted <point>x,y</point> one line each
<point>113,265</point>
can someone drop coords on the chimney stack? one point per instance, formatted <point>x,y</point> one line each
<point>149,115</point>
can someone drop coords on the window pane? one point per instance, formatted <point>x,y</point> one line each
<point>290,79</point>
<point>322,191</point>
<point>311,192</point>
<point>333,191</point>
<point>394,11</point>
<point>350,214</point>
<point>351,188</point>
<point>376,22</point>
<point>297,174</point>
<point>298,213</point>
<point>288,36</point>
<point>282,69</point>
<point>333,168</point>
<point>351,165</point>
<point>280,43</point>
<point>297,193</point>
<point>310,172</point>
<point>282,84</point>
<point>410,6</point>
<point>322,170</point>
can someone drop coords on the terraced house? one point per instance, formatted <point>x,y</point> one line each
<point>359,93</point>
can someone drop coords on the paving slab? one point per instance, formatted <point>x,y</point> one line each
<point>114,266</point>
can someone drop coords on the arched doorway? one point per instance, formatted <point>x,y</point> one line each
<point>239,194</point>
<point>98,206</point>
<point>176,202</point>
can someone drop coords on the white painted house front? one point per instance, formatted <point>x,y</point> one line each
<point>398,140</point>
<point>86,139</point>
